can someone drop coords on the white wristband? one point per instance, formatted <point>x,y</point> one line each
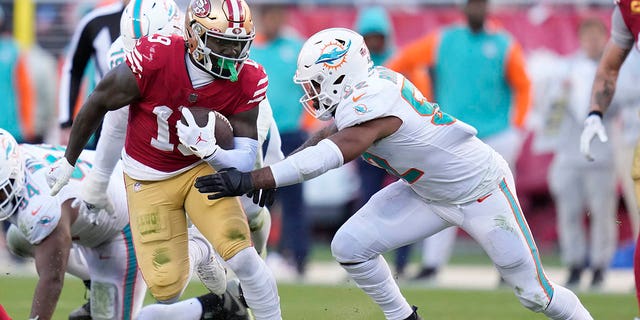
<point>307,163</point>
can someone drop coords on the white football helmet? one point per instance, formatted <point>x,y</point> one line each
<point>12,175</point>
<point>329,61</point>
<point>219,34</point>
<point>145,17</point>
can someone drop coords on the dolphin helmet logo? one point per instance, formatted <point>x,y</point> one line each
<point>334,55</point>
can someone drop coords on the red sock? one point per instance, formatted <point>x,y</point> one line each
<point>636,269</point>
<point>3,314</point>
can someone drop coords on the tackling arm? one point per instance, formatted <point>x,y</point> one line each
<point>341,147</point>
<point>51,257</point>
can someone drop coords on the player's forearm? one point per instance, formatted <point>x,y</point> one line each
<point>85,124</point>
<point>317,137</point>
<point>46,296</point>
<point>604,87</point>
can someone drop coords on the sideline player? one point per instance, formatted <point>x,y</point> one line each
<point>447,177</point>
<point>162,74</point>
<point>625,28</point>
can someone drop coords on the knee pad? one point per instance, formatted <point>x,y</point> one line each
<point>103,300</point>
<point>345,248</point>
<point>18,243</point>
<point>506,250</point>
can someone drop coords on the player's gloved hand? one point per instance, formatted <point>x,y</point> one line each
<point>201,141</point>
<point>94,194</point>
<point>58,175</point>
<point>90,215</point>
<point>592,127</point>
<point>262,197</point>
<point>227,182</point>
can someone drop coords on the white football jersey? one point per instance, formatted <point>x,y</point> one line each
<point>437,155</point>
<point>39,213</point>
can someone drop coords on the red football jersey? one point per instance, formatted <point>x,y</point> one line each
<point>159,65</point>
<point>630,10</point>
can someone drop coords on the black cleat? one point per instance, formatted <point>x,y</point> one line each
<point>225,307</point>
<point>414,315</point>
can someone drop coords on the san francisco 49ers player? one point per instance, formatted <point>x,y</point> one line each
<point>162,157</point>
<point>447,177</point>
<point>44,227</point>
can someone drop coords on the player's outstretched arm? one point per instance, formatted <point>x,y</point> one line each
<point>51,257</point>
<point>339,148</point>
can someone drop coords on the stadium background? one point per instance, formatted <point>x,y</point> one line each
<point>538,26</point>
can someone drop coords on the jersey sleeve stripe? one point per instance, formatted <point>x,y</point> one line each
<point>260,92</point>
<point>258,99</point>
<point>263,81</point>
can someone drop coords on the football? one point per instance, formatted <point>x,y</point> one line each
<point>224,130</point>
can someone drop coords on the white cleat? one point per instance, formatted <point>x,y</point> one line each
<point>213,275</point>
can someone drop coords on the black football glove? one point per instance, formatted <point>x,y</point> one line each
<point>262,197</point>
<point>228,182</point>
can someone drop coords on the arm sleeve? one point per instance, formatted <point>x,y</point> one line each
<point>516,74</point>
<point>80,51</point>
<point>418,54</point>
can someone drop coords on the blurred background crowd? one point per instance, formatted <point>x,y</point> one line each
<point>521,73</point>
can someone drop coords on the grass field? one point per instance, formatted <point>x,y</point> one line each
<point>307,302</point>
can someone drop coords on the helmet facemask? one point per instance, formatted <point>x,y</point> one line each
<point>208,53</point>
<point>316,100</point>
<point>10,197</point>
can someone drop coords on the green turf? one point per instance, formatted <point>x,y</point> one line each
<point>300,302</point>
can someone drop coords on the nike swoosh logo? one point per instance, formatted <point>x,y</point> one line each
<point>34,212</point>
<point>356,98</point>
<point>484,197</point>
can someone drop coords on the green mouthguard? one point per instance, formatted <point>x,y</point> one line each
<point>229,65</point>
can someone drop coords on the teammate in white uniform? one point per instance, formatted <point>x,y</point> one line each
<point>50,224</point>
<point>447,177</point>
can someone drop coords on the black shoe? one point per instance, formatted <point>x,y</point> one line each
<point>426,273</point>
<point>81,313</point>
<point>574,277</point>
<point>598,278</point>
<point>414,315</point>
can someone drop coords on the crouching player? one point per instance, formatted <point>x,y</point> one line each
<point>51,224</point>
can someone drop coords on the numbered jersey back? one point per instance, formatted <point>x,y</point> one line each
<point>160,64</point>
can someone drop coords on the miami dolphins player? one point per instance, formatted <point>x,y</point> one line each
<point>447,177</point>
<point>49,225</point>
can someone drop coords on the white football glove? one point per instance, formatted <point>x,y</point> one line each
<point>592,127</point>
<point>94,194</point>
<point>201,141</point>
<point>58,175</point>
